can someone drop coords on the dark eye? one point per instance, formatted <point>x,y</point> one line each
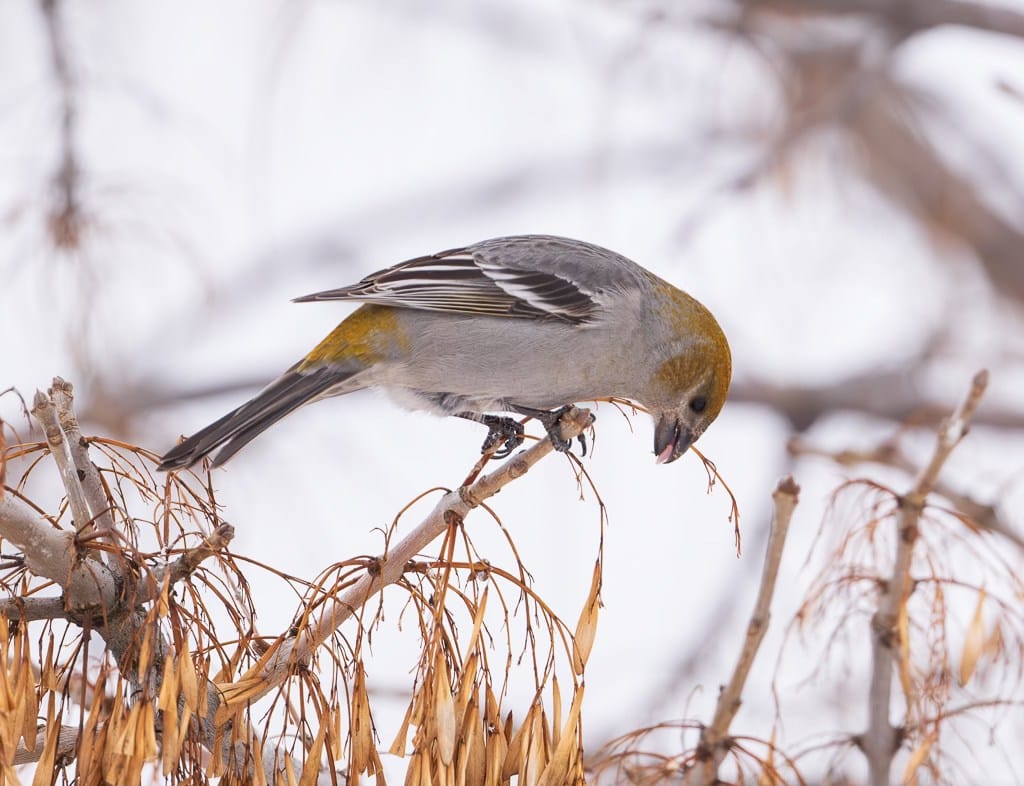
<point>699,404</point>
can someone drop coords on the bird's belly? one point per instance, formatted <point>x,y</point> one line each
<point>481,365</point>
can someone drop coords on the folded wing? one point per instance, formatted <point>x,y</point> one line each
<point>514,277</point>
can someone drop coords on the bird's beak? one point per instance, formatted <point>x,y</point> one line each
<point>671,439</point>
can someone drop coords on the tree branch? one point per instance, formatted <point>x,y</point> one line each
<point>451,510</point>
<point>51,553</point>
<point>909,16</point>
<point>714,741</point>
<point>881,740</point>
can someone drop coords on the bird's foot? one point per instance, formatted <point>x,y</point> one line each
<point>503,431</point>
<point>551,421</point>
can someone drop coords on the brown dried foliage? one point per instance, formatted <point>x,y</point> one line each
<point>180,700</point>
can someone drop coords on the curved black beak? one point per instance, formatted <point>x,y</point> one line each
<point>671,439</point>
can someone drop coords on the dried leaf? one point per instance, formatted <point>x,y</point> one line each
<point>916,759</point>
<point>289,771</point>
<point>399,745</point>
<point>974,641</point>
<point>170,745</point>
<point>187,678</point>
<point>311,769</point>
<point>45,765</point>
<point>586,626</point>
<point>478,621</point>
<point>556,711</point>
<point>514,756</point>
<point>565,758</point>
<point>444,712</point>
<point>361,730</point>
<point>472,766</point>
<point>168,698</point>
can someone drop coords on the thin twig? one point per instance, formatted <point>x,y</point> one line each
<point>185,565</point>
<point>889,454</point>
<point>714,739</point>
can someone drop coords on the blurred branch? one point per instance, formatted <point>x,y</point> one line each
<point>832,81</point>
<point>890,454</point>
<point>65,220</point>
<point>907,16</point>
<point>714,740</point>
<point>882,740</point>
<point>891,395</point>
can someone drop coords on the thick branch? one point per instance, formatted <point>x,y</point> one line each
<point>50,553</point>
<point>67,741</point>
<point>61,393</point>
<point>31,609</point>
<point>881,740</point>
<point>44,410</point>
<point>714,742</point>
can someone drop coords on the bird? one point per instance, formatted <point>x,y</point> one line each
<point>523,325</point>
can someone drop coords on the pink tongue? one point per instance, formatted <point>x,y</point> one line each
<point>666,454</point>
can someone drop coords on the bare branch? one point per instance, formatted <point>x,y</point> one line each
<point>31,609</point>
<point>714,742</point>
<point>909,16</point>
<point>67,741</point>
<point>44,410</point>
<point>50,553</point>
<point>881,740</point>
<point>62,394</point>
<point>185,565</point>
<point>65,219</point>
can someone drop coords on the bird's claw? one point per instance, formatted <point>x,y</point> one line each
<point>502,431</point>
<point>552,422</point>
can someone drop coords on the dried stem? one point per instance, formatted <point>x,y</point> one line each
<point>882,740</point>
<point>714,741</point>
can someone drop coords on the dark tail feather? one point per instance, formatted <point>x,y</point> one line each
<point>240,426</point>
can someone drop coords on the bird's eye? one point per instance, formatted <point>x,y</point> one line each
<point>699,404</point>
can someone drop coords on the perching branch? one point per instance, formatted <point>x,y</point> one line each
<point>881,740</point>
<point>714,738</point>
<point>287,653</point>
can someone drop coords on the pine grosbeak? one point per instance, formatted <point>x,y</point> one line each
<point>527,324</point>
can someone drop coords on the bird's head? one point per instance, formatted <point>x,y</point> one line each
<point>690,384</point>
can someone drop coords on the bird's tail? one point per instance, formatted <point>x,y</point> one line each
<point>240,426</point>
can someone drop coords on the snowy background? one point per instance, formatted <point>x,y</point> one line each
<point>228,157</point>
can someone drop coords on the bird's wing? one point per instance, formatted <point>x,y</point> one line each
<point>529,276</point>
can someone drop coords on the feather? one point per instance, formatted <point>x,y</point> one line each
<point>484,279</point>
